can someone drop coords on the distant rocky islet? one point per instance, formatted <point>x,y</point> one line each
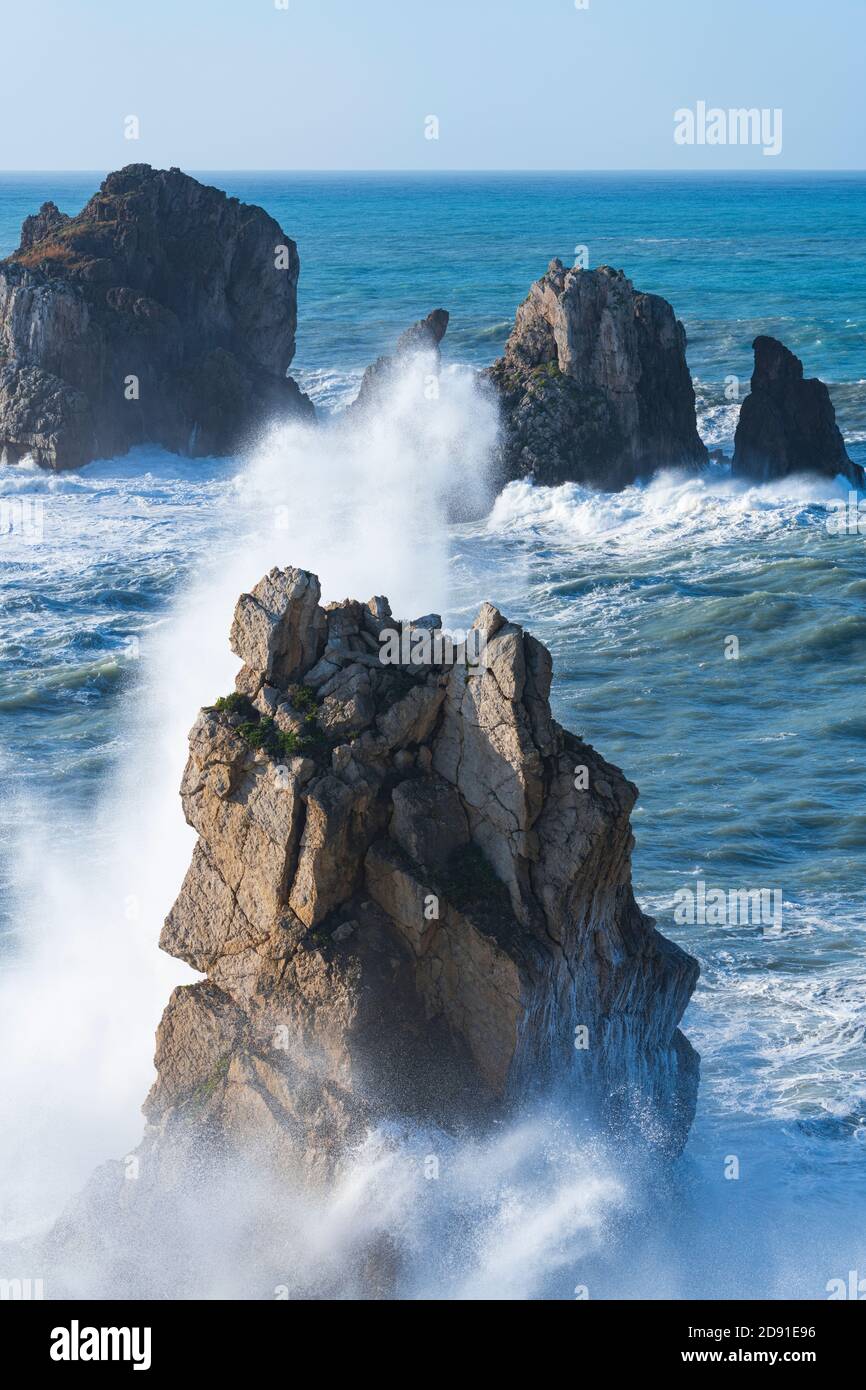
<point>165,313</point>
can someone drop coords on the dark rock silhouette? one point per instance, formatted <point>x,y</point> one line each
<point>423,337</point>
<point>164,313</point>
<point>40,225</point>
<point>788,424</point>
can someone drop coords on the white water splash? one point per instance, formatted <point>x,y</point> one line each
<point>363,503</point>
<point>672,506</point>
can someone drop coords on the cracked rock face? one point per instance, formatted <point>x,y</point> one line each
<point>410,903</point>
<point>594,387</point>
<point>163,313</point>
<point>788,424</point>
<point>400,900</point>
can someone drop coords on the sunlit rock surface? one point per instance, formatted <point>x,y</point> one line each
<point>594,386</point>
<point>410,901</point>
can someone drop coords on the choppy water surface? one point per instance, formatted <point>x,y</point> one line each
<point>115,609</point>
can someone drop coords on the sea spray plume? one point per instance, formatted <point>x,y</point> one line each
<point>382,484</point>
<point>84,985</point>
<point>423,340</point>
<point>414,1212</point>
<point>412,385</point>
<point>411,899</point>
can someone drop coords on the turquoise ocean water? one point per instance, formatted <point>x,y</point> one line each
<point>750,770</point>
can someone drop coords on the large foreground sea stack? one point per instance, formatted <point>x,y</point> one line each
<point>411,894</point>
<point>411,902</point>
<point>787,424</point>
<point>594,384</point>
<point>164,313</point>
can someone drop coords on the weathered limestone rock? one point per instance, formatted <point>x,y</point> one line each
<point>412,719</point>
<point>428,821</point>
<point>787,424</point>
<point>594,387</point>
<point>427,919</point>
<point>335,836</point>
<point>402,880</point>
<point>199,1032</point>
<point>279,628</point>
<point>163,313</point>
<point>207,922</point>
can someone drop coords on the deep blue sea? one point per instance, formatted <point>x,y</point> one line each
<point>113,630</point>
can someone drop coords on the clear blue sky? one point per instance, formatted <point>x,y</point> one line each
<point>347,84</point>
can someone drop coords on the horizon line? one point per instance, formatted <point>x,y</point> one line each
<point>760,170</point>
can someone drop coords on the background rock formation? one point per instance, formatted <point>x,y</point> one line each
<point>594,384</point>
<point>787,424</point>
<point>162,279</point>
<point>423,337</point>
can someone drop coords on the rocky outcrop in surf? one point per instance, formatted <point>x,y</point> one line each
<point>594,386</point>
<point>163,313</point>
<point>411,894</point>
<point>410,902</point>
<point>423,338</point>
<point>788,424</point>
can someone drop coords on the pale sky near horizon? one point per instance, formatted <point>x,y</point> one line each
<point>350,84</point>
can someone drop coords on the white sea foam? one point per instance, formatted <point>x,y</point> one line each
<point>717,423</point>
<point>362,504</point>
<point>329,390</point>
<point>672,504</point>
